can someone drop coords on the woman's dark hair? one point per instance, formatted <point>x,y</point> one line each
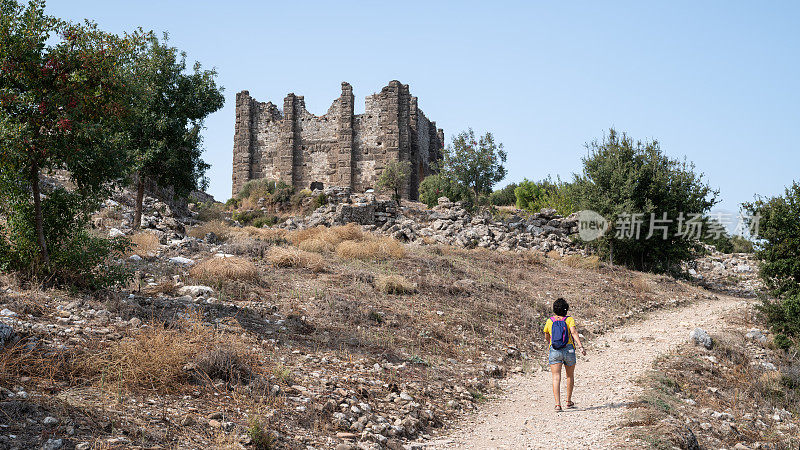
<point>560,307</point>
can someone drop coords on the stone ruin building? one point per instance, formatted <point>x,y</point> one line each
<point>339,148</point>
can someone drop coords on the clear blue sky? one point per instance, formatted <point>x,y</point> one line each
<point>717,82</point>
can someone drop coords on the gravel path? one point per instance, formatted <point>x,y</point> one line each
<point>604,386</point>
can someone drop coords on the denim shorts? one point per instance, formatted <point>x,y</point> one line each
<point>564,355</point>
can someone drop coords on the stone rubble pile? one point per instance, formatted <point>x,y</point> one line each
<point>168,222</point>
<point>735,273</point>
<point>447,223</point>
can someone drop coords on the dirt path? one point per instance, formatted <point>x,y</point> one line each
<point>524,418</point>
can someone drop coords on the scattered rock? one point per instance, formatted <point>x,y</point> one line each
<point>180,260</point>
<point>6,333</point>
<point>196,291</point>
<point>53,444</point>
<point>700,337</point>
<point>687,439</point>
<point>50,420</point>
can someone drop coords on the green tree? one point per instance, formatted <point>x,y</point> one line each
<point>559,195</point>
<point>393,178</point>
<point>631,182</point>
<point>777,232</point>
<point>440,185</point>
<point>529,195</point>
<point>775,224</point>
<point>61,106</point>
<point>169,107</point>
<point>476,164</point>
<point>504,196</point>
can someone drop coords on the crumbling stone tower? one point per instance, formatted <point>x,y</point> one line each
<point>339,148</point>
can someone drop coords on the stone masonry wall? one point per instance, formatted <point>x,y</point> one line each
<point>338,148</point>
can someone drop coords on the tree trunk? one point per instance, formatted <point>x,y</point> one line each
<point>39,221</point>
<point>137,216</point>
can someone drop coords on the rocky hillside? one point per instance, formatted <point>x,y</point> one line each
<point>370,336</point>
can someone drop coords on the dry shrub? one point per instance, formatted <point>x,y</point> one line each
<point>226,362</point>
<point>222,269</point>
<point>589,262</point>
<point>262,234</point>
<point>348,242</point>
<point>394,284</point>
<point>316,245</point>
<point>160,357</point>
<point>19,360</point>
<point>534,258</point>
<point>329,236</point>
<point>165,287</point>
<point>292,257</point>
<point>372,248</point>
<point>640,285</point>
<point>144,244</point>
<point>349,232</point>
<point>217,227</point>
<point>553,254</point>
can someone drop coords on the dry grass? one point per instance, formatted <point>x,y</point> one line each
<point>331,236</point>
<point>348,242</point>
<point>224,269</point>
<point>534,258</point>
<point>18,361</point>
<point>640,285</point>
<point>292,257</point>
<point>262,234</point>
<point>217,227</point>
<point>552,254</point>
<point>741,387</point>
<point>167,358</point>
<point>395,284</point>
<point>372,248</point>
<point>145,244</point>
<point>165,287</point>
<point>588,262</point>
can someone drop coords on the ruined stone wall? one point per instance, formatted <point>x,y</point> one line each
<point>338,148</point>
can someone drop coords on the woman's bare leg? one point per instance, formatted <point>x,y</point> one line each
<point>570,371</point>
<point>555,369</point>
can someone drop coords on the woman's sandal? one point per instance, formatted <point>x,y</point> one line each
<point>558,408</point>
<point>570,404</point>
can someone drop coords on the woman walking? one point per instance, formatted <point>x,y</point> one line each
<point>562,336</point>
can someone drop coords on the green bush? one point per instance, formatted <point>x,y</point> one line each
<point>504,196</point>
<point>77,258</point>
<point>256,188</point>
<point>269,221</point>
<point>282,193</point>
<point>273,191</point>
<point>622,178</point>
<point>778,235</point>
<point>319,200</point>
<point>559,195</point>
<point>741,244</point>
<point>438,185</point>
<point>529,195</point>
<point>298,197</point>
<point>208,211</point>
